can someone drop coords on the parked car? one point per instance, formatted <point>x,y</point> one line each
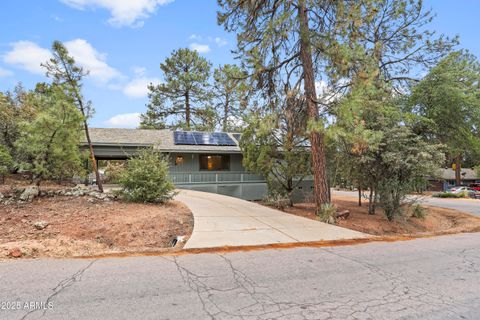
<point>475,186</point>
<point>459,189</point>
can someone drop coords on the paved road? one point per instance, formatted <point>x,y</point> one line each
<point>227,221</point>
<point>467,205</point>
<point>431,278</point>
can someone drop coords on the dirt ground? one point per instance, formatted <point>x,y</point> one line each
<point>437,221</point>
<point>82,226</point>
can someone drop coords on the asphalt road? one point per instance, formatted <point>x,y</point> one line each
<point>431,278</point>
<point>467,205</point>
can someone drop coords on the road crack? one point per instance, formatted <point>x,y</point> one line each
<point>61,286</point>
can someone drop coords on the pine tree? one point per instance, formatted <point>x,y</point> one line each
<point>230,95</point>
<point>183,100</point>
<point>49,143</point>
<point>67,74</point>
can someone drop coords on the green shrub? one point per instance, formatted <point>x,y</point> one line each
<point>6,162</point>
<point>114,171</point>
<point>418,211</point>
<point>449,195</point>
<point>327,213</point>
<point>145,178</point>
<point>276,200</point>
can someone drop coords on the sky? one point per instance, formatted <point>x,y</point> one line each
<point>123,42</point>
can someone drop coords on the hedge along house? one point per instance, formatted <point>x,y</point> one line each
<point>202,161</point>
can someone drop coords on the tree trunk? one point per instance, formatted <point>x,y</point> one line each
<point>290,191</point>
<point>225,115</point>
<point>371,201</point>
<point>316,138</point>
<point>187,109</point>
<point>359,196</point>
<point>458,170</point>
<point>92,157</point>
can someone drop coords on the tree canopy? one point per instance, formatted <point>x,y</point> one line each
<point>49,144</point>
<point>183,100</point>
<point>230,92</point>
<point>447,103</point>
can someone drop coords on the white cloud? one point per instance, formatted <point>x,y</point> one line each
<point>220,41</point>
<point>92,60</point>
<point>138,87</point>
<point>200,48</point>
<point>124,120</point>
<point>5,73</point>
<point>28,56</point>
<point>123,12</point>
<point>139,71</point>
<point>196,37</point>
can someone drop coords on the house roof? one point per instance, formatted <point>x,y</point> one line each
<point>159,139</point>
<point>449,174</point>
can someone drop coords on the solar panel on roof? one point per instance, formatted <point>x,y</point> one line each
<point>215,139</point>
<point>202,138</point>
<point>183,137</point>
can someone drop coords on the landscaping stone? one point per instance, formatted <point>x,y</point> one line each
<point>40,225</point>
<point>29,193</point>
<point>15,253</point>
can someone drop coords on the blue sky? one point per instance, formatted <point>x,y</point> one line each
<point>122,42</point>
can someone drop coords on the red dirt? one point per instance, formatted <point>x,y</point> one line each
<point>437,221</point>
<point>81,226</point>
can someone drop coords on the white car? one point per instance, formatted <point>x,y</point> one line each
<point>459,189</point>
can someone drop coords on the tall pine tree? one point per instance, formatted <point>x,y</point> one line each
<point>183,100</point>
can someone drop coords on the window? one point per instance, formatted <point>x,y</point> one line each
<point>214,162</point>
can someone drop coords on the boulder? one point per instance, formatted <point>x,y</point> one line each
<point>29,193</point>
<point>343,214</point>
<point>40,225</point>
<point>15,253</point>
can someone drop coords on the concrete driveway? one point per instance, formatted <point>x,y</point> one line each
<point>226,221</point>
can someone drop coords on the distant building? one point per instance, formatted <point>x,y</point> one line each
<point>445,179</point>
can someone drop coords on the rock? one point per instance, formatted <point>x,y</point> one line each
<point>40,225</point>
<point>29,193</point>
<point>1,196</point>
<point>101,196</point>
<point>15,253</point>
<point>343,214</point>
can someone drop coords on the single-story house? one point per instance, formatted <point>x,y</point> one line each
<point>445,179</point>
<point>203,161</point>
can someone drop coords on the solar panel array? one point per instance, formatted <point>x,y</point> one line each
<point>202,138</point>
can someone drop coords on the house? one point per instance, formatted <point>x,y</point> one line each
<point>445,179</point>
<point>203,161</point>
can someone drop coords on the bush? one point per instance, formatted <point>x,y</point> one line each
<point>145,178</point>
<point>418,211</point>
<point>6,162</point>
<point>276,200</point>
<point>113,172</point>
<point>327,213</point>
<point>451,195</point>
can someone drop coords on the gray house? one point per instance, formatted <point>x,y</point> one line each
<point>201,161</point>
<point>445,179</point>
